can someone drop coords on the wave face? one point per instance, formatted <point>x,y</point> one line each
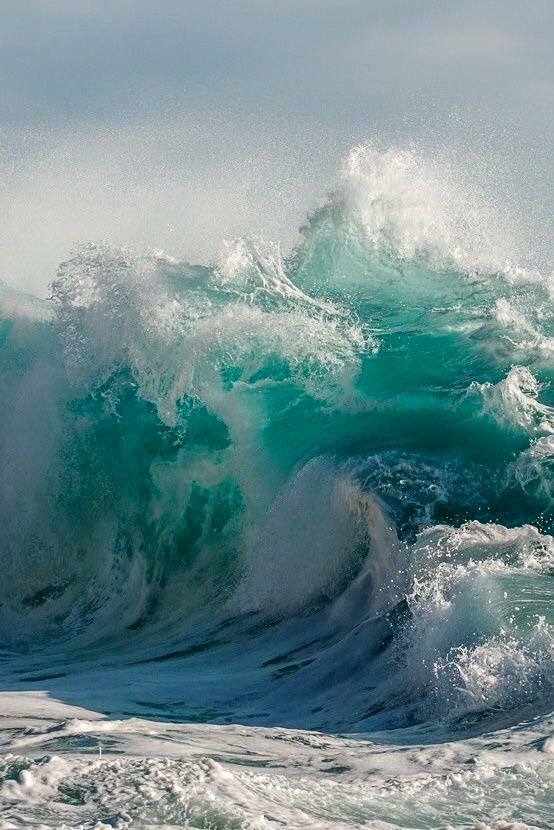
<point>311,492</point>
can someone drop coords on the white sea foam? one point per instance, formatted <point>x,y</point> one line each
<point>464,649</point>
<point>149,774</point>
<point>515,400</point>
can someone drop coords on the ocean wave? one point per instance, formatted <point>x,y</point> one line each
<point>272,465</point>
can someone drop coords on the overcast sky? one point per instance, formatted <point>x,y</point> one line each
<point>177,123</point>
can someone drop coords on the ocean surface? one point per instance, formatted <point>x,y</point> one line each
<point>275,536</point>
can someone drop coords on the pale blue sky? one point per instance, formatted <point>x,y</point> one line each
<point>179,123</point>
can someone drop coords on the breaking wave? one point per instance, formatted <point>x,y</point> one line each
<point>311,490</point>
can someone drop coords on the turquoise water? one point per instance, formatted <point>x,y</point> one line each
<point>310,491</point>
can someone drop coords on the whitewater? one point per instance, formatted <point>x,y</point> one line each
<point>276,531</point>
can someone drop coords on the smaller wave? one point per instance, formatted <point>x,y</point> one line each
<point>515,401</point>
<point>477,640</point>
<point>178,328</point>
